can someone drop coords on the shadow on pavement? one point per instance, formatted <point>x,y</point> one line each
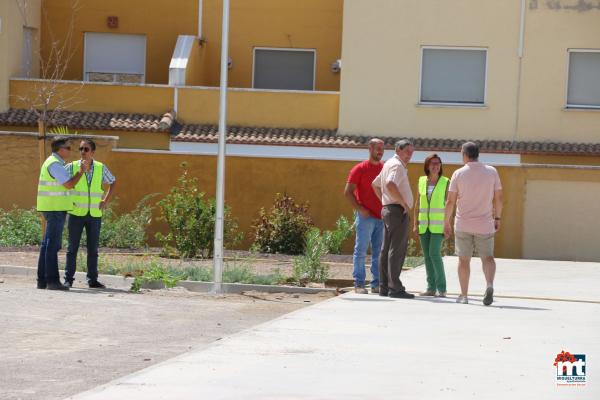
<point>98,291</point>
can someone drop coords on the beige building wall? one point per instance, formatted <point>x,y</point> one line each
<point>381,54</point>
<point>555,225</point>
<point>552,29</point>
<point>14,17</point>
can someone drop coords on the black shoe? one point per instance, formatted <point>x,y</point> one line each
<point>401,295</point>
<point>41,285</point>
<point>96,285</point>
<point>56,286</point>
<point>383,293</point>
<point>68,283</point>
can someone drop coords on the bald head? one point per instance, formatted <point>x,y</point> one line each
<point>375,150</point>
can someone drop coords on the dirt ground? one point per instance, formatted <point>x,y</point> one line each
<point>56,344</point>
<point>340,266</point>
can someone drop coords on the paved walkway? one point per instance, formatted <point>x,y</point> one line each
<point>369,347</point>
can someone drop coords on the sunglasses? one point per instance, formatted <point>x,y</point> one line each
<point>84,149</point>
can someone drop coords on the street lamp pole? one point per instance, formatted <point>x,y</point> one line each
<point>219,221</point>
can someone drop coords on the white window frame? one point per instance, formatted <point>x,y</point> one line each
<point>314,51</point>
<point>453,104</point>
<point>85,71</point>
<point>576,106</point>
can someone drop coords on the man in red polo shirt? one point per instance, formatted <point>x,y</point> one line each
<point>368,223</point>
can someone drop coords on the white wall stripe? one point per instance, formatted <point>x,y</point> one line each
<point>328,153</point>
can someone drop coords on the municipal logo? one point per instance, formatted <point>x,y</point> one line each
<point>570,369</point>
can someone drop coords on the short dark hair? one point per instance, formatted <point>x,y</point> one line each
<point>428,161</point>
<point>402,143</point>
<point>90,142</point>
<point>58,142</point>
<point>471,150</point>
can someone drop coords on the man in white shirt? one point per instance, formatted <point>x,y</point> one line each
<point>393,188</point>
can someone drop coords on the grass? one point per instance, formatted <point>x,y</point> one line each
<point>152,269</point>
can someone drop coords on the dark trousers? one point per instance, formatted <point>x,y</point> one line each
<point>395,242</point>
<point>92,232</point>
<point>51,244</point>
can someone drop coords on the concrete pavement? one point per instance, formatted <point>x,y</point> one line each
<point>369,347</point>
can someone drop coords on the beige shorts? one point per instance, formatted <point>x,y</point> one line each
<point>466,242</point>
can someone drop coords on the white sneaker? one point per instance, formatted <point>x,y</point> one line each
<point>360,290</point>
<point>462,300</point>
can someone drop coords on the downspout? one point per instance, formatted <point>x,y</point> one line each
<point>519,75</point>
<point>175,99</point>
<point>200,9</point>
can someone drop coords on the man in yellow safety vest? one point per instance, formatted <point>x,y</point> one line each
<point>89,200</point>
<point>53,201</point>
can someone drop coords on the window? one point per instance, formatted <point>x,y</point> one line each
<point>111,57</point>
<point>287,69</point>
<point>453,76</point>
<point>584,79</point>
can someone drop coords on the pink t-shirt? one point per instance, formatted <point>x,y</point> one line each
<point>475,184</point>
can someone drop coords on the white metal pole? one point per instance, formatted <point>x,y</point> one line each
<point>219,222</point>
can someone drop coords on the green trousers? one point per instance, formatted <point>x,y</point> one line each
<point>431,243</point>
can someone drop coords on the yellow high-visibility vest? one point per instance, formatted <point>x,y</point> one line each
<point>431,211</point>
<point>86,197</point>
<point>52,195</point>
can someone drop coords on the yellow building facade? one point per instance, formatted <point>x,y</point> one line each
<point>314,25</point>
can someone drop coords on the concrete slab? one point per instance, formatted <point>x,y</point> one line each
<point>527,278</point>
<point>369,347</point>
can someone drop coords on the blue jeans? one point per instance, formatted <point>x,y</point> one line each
<point>92,232</point>
<point>369,230</point>
<point>51,245</point>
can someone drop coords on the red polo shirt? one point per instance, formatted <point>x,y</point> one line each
<point>362,176</point>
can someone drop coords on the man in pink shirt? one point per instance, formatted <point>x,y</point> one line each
<point>476,191</point>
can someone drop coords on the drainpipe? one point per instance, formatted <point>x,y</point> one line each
<point>520,50</point>
<point>200,10</point>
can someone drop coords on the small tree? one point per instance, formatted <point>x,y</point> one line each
<point>191,220</point>
<point>283,228</point>
<point>48,96</point>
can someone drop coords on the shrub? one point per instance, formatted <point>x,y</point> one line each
<point>412,250</point>
<point>309,267</point>
<point>448,248</point>
<point>156,272</point>
<point>191,220</point>
<point>336,238</point>
<point>20,227</point>
<point>127,230</point>
<point>283,228</point>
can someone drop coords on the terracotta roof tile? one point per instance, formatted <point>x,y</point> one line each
<point>89,120</point>
<point>276,136</point>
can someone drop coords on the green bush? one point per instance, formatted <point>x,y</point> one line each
<point>127,230</point>
<point>20,227</point>
<point>309,267</point>
<point>336,238</point>
<point>156,272</point>
<point>191,220</point>
<point>283,228</point>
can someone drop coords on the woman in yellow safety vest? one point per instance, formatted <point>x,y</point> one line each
<point>429,223</point>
